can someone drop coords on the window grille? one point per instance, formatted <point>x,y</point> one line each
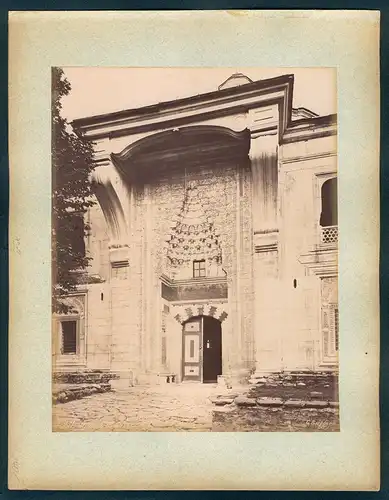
<point>329,234</point>
<point>198,268</point>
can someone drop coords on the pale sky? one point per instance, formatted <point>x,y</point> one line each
<point>99,90</point>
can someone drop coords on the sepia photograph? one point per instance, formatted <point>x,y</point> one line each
<point>195,250</point>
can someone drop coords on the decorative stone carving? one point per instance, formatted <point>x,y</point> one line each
<point>194,236</point>
<point>77,305</point>
<point>329,289</point>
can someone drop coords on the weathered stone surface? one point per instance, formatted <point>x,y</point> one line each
<point>334,404</point>
<point>244,401</point>
<point>316,394</point>
<point>84,377</point>
<point>316,404</point>
<point>270,401</point>
<point>294,403</point>
<point>301,384</point>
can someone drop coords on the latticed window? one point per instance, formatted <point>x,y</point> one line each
<point>329,234</point>
<point>198,268</point>
<point>69,337</point>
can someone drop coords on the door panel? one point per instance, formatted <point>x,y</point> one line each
<point>191,350</point>
<point>212,350</point>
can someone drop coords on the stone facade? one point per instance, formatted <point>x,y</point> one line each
<point>209,207</point>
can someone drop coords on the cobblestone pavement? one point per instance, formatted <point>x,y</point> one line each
<point>168,407</point>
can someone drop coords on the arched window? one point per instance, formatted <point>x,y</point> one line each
<point>329,203</point>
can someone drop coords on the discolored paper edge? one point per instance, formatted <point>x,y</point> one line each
<point>40,459</point>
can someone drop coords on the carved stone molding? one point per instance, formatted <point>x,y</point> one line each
<point>183,312</point>
<point>321,261</point>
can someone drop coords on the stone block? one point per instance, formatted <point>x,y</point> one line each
<point>223,401</point>
<point>316,394</point>
<point>294,403</point>
<point>316,404</point>
<point>261,380</point>
<point>334,404</point>
<point>270,401</point>
<point>222,409</point>
<point>301,384</point>
<point>244,401</point>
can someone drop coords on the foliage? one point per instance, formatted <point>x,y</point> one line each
<point>72,164</point>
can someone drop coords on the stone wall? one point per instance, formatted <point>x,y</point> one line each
<point>273,296</point>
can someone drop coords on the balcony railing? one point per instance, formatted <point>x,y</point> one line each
<point>329,235</point>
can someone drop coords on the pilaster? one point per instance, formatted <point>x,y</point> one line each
<point>267,299</point>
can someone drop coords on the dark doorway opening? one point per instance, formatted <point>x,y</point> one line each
<point>212,349</point>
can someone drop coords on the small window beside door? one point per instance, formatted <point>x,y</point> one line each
<point>198,268</point>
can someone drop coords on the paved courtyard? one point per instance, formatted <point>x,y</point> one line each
<point>185,407</point>
<point>168,407</point>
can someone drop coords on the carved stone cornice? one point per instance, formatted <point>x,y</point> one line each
<point>194,288</point>
<point>310,128</point>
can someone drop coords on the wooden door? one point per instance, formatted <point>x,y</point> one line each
<point>212,349</point>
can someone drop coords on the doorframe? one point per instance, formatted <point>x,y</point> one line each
<point>201,346</point>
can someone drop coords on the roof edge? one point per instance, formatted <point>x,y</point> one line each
<point>80,123</point>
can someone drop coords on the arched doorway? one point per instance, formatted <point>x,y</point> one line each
<point>201,349</point>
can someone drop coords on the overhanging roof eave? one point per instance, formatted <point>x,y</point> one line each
<point>147,112</point>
